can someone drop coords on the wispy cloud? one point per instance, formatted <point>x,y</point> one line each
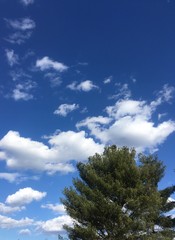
<point>27,2</point>
<point>107,80</point>
<point>22,91</point>
<point>85,86</point>
<point>25,232</point>
<point>64,109</point>
<point>18,37</point>
<point>123,91</point>
<point>56,208</point>
<point>54,79</point>
<point>22,24</point>
<point>22,30</point>
<point>46,63</point>
<point>12,57</point>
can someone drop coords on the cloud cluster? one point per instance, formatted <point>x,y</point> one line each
<point>64,109</point>
<point>131,123</point>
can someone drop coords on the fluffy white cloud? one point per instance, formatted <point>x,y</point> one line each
<point>85,86</point>
<point>26,154</point>
<point>8,223</point>
<point>12,58</point>
<point>22,24</point>
<point>24,196</point>
<point>27,2</point>
<point>55,225</point>
<point>56,208</point>
<point>46,63</point>
<point>25,232</point>
<point>5,209</point>
<point>64,109</point>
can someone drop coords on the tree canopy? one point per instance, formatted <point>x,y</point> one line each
<point>116,197</point>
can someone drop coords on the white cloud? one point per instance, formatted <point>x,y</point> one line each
<point>24,196</point>
<point>54,79</point>
<point>64,109</point>
<point>55,225</point>
<point>5,209</point>
<point>18,37</point>
<point>27,2</point>
<point>25,232</point>
<point>56,208</point>
<point>12,58</point>
<point>26,154</point>
<point>46,63</point>
<point>8,223</point>
<point>22,91</point>
<point>16,177</point>
<point>10,177</point>
<point>23,24</point>
<point>123,91</point>
<point>85,86</point>
<point>107,80</point>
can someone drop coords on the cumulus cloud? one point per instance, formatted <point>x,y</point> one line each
<point>46,63</point>
<point>55,225</point>
<point>85,86</point>
<point>64,109</point>
<point>24,196</point>
<point>12,58</point>
<point>56,208</point>
<point>27,2</point>
<point>8,223</point>
<point>26,154</point>
<point>5,209</point>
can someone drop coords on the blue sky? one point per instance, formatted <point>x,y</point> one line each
<point>76,76</point>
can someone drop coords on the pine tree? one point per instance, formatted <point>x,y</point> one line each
<point>118,198</point>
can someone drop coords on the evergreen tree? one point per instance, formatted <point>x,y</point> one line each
<point>118,198</point>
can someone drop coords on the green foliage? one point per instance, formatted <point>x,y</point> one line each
<point>116,198</point>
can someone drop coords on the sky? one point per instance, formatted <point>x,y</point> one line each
<point>76,76</point>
